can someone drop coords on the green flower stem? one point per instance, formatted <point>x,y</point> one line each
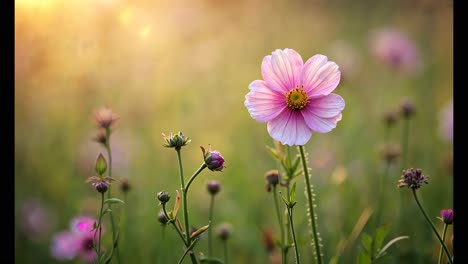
<point>210,248</point>
<point>296,250</point>
<point>443,240</point>
<point>225,252</point>
<point>109,153</point>
<point>175,226</point>
<point>433,228</point>
<point>184,197</point>
<point>188,249</point>
<point>318,253</point>
<point>288,190</point>
<point>202,167</point>
<point>280,222</point>
<point>98,227</point>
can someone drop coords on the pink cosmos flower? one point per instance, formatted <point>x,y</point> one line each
<point>295,97</point>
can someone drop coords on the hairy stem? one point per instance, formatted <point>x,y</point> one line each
<point>312,215</point>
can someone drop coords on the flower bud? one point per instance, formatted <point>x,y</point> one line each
<point>176,141</point>
<point>163,197</point>
<point>407,108</point>
<point>213,187</point>
<point>224,231</point>
<point>125,186</point>
<point>213,159</point>
<point>390,118</point>
<point>447,216</point>
<point>101,165</point>
<point>162,217</point>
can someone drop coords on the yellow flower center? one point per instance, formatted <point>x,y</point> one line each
<point>297,98</point>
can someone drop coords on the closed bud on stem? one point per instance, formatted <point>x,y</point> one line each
<point>213,187</point>
<point>101,165</point>
<point>163,197</point>
<point>213,159</point>
<point>176,141</point>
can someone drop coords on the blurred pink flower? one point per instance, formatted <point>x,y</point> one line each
<point>37,220</point>
<point>64,246</point>
<point>393,48</point>
<point>76,242</point>
<point>446,122</point>
<point>105,117</point>
<point>295,97</point>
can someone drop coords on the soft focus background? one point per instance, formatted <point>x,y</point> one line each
<point>169,66</point>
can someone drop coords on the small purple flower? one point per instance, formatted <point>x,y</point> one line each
<point>101,186</point>
<point>213,187</point>
<point>213,159</point>
<point>412,178</point>
<point>447,216</point>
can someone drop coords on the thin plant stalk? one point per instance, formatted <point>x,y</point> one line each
<point>210,248</point>
<point>225,252</point>
<point>312,219</point>
<point>280,222</point>
<point>109,154</point>
<point>98,227</point>
<point>296,250</point>
<point>443,240</point>
<point>184,194</point>
<point>175,226</point>
<point>433,227</point>
<point>189,249</point>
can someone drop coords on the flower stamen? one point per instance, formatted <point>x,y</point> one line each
<point>297,98</point>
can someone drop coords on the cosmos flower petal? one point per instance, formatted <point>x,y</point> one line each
<point>262,102</point>
<point>289,128</point>
<point>320,124</point>
<point>320,76</point>
<point>281,69</point>
<point>327,106</point>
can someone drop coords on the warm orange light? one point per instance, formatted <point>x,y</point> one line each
<point>34,3</point>
<point>126,15</point>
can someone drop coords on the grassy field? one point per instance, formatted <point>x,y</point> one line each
<point>169,66</point>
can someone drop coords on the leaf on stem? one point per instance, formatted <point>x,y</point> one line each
<point>113,201</point>
<point>176,204</point>
<point>199,231</point>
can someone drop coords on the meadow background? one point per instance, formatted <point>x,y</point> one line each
<point>169,66</point>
